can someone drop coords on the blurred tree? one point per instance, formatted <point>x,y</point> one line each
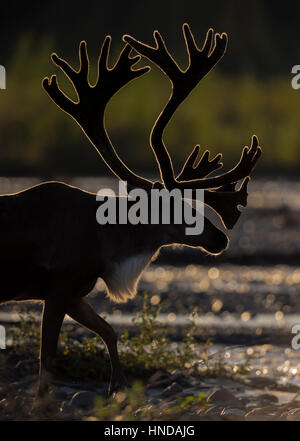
<point>249,92</point>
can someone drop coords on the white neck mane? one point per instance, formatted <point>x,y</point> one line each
<point>123,281</point>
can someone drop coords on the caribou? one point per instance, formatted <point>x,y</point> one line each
<point>53,248</point>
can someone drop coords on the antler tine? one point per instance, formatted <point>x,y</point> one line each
<point>55,93</point>
<point>92,100</point>
<point>78,78</point>
<point>121,73</point>
<point>158,54</point>
<point>84,61</point>
<point>205,59</point>
<point>103,57</point>
<point>203,168</point>
<point>163,59</point>
<point>207,45</point>
<point>243,169</point>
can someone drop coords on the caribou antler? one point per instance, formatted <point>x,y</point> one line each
<point>204,167</point>
<point>89,110</point>
<point>183,82</point>
<point>92,100</point>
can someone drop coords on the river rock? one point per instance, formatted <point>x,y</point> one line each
<point>233,414</point>
<point>223,396</point>
<point>171,390</point>
<point>160,379</point>
<point>83,400</point>
<point>257,414</point>
<point>268,398</point>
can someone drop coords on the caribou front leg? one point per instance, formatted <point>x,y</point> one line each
<point>83,313</point>
<point>53,316</point>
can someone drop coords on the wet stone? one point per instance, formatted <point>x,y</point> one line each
<point>212,411</point>
<point>233,414</point>
<point>160,379</point>
<point>262,383</point>
<point>83,400</point>
<point>223,396</point>
<point>268,398</point>
<point>154,401</point>
<point>3,404</point>
<point>171,390</point>
<point>293,415</point>
<point>64,392</point>
<point>257,414</point>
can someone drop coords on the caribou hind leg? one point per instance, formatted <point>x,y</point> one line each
<point>83,313</point>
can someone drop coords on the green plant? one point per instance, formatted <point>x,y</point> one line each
<point>188,403</point>
<point>123,406</point>
<point>152,349</point>
<point>84,358</point>
<point>26,336</point>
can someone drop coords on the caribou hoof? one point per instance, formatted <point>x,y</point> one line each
<point>117,385</point>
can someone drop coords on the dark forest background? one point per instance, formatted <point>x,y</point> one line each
<point>249,91</point>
